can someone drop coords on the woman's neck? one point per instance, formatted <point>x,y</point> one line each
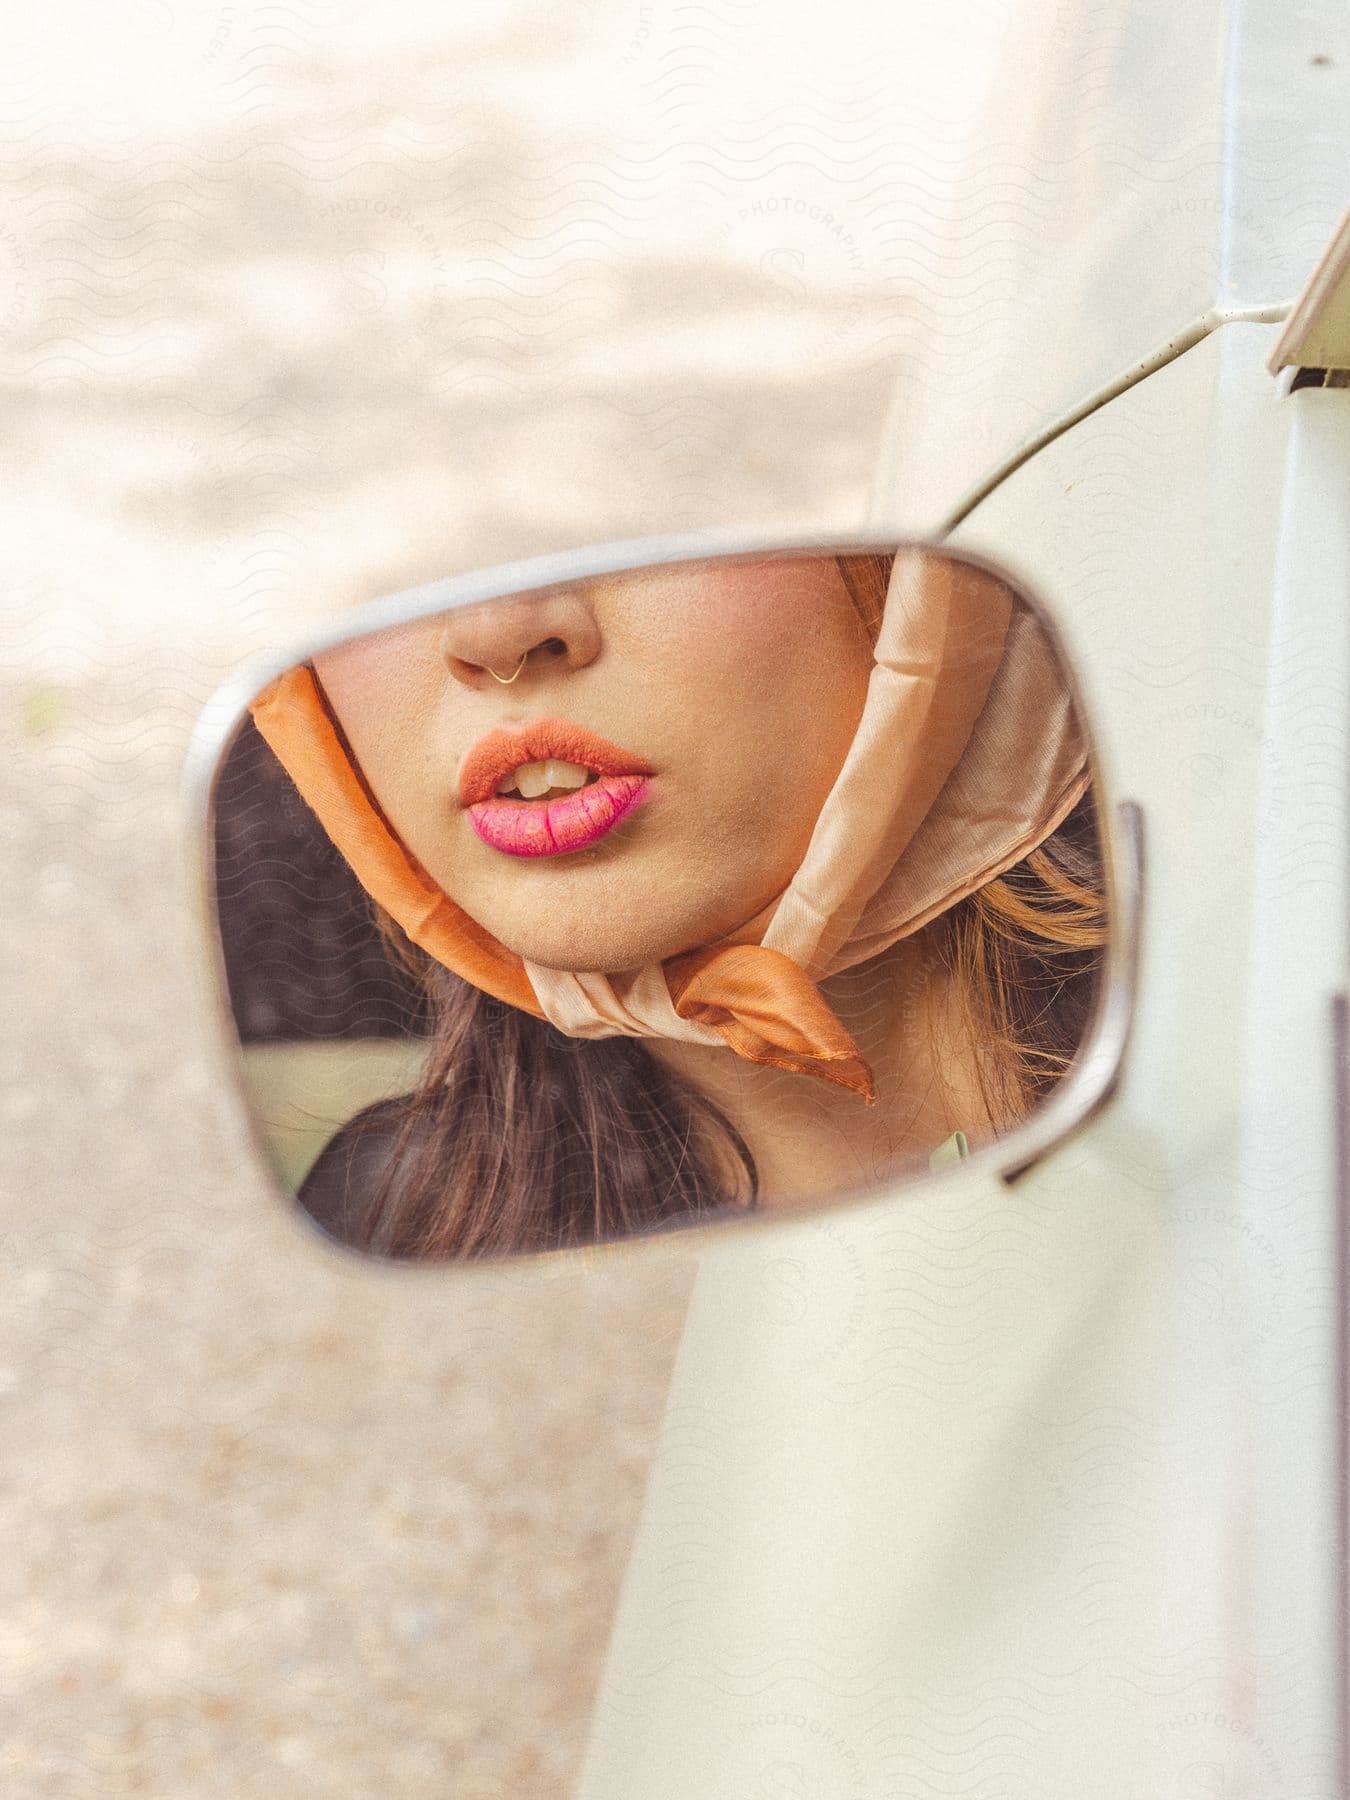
<point>809,1137</point>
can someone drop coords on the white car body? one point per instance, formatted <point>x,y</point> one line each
<point>1041,1491</point>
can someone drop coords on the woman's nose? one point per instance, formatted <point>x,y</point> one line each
<point>506,640</point>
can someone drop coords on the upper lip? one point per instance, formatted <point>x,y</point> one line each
<point>498,752</point>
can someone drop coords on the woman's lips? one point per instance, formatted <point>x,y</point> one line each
<point>549,827</point>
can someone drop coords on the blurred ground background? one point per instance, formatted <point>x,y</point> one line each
<point>299,305</point>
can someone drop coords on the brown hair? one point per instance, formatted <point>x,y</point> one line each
<point>518,1138</point>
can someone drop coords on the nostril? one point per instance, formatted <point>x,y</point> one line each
<point>467,670</point>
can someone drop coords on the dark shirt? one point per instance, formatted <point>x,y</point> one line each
<point>339,1187</point>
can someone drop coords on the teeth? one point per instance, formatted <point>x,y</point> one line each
<point>536,778</point>
<point>566,774</point>
<point>532,780</point>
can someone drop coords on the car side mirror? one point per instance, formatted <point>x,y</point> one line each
<point>660,886</point>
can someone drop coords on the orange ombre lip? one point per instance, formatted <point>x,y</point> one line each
<point>498,752</point>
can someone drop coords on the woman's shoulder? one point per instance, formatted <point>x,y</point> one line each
<point>338,1188</point>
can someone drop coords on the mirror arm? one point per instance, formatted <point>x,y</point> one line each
<point>1093,1080</point>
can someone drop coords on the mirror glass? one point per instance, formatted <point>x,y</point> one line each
<point>710,888</point>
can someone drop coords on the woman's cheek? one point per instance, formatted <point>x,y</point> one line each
<point>748,695</point>
<point>386,700</point>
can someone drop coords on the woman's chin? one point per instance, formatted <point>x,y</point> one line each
<point>582,943</point>
<point>609,920</point>
<point>580,955</point>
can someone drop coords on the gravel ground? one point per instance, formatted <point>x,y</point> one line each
<point>296,307</point>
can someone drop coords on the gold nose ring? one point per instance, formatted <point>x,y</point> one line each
<point>506,680</point>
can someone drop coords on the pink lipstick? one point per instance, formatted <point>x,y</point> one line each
<point>617,784</point>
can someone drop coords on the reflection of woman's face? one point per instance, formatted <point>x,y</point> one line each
<point>739,686</point>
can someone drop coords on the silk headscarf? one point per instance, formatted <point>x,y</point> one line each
<point>968,754</point>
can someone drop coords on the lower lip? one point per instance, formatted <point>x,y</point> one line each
<point>552,828</point>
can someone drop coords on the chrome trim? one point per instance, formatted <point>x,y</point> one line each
<point>1080,1094</point>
